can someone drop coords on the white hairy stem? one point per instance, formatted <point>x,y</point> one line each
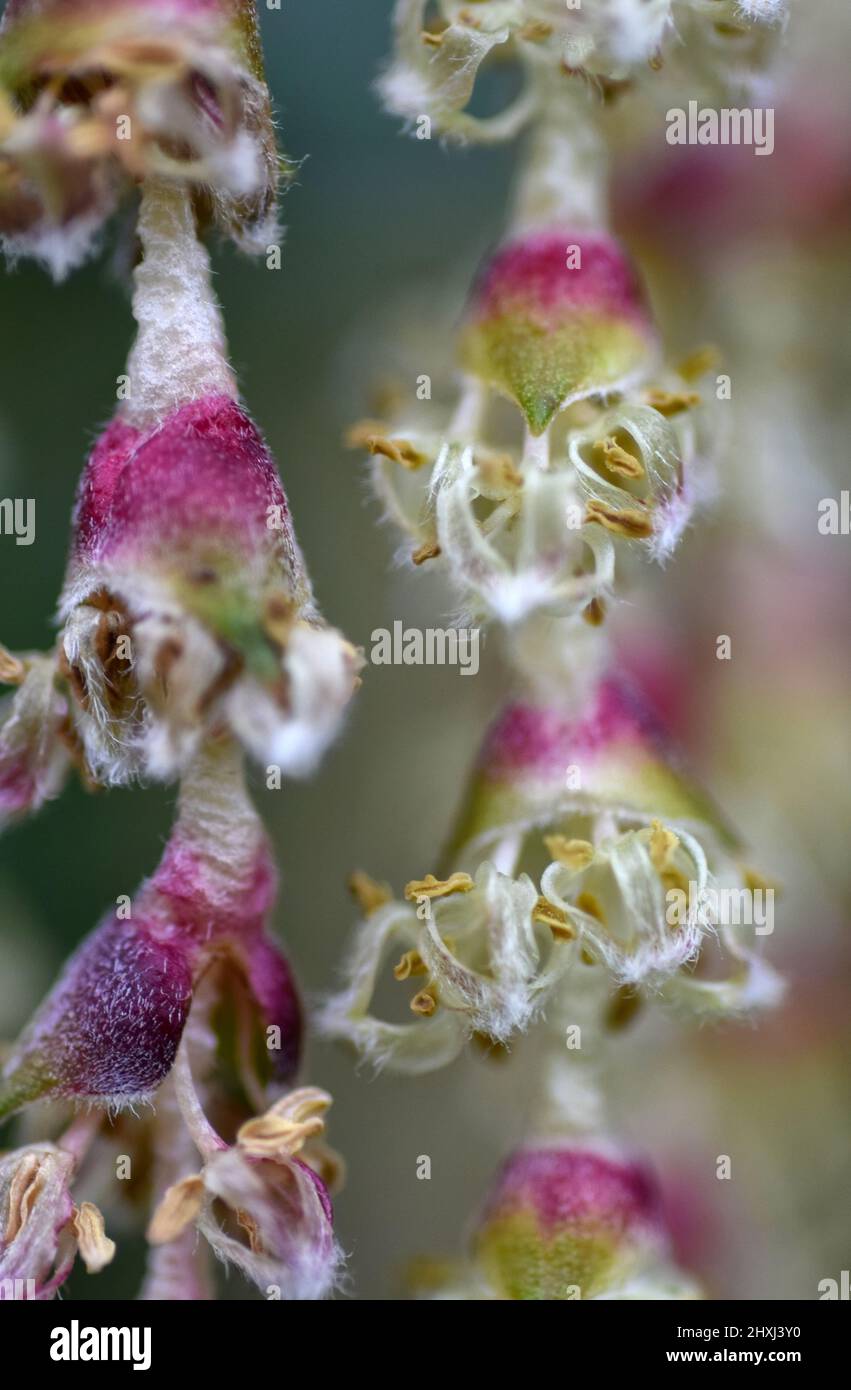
<point>216,817</point>
<point>180,352</point>
<point>177,1270</point>
<point>570,1101</point>
<point>563,181</point>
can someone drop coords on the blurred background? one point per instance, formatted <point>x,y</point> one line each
<point>383,235</point>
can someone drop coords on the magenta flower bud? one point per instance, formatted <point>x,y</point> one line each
<point>100,95</point>
<point>565,1223</point>
<point>34,733</point>
<point>186,586</point>
<point>540,763</point>
<point>109,1029</point>
<point>555,317</point>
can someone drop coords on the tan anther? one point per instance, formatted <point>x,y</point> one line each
<point>698,363</point>
<point>662,845</point>
<point>428,551</point>
<point>574,854</point>
<point>498,472</point>
<point>672,402</point>
<point>95,1247</point>
<point>424,1003</point>
<point>375,437</point>
<point>432,39</point>
<point>279,617</point>
<point>286,1126</point>
<point>489,1047</point>
<point>656,62</point>
<point>591,905</point>
<point>327,1162</point>
<point>471,20</point>
<point>674,880</point>
<point>617,459</point>
<point>548,915</point>
<point>756,882</point>
<point>624,1004</point>
<point>12,669</point>
<point>411,963</point>
<point>535,31</point>
<point>431,887</point>
<point>623,521</point>
<point>177,1209</point>
<point>368,893</point>
<point>24,1189</point>
<point>594,613</point>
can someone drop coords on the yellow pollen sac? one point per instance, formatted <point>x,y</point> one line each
<point>428,551</point>
<point>374,436</point>
<point>555,918</point>
<point>624,1004</point>
<point>535,31</point>
<point>411,963</point>
<point>755,882</point>
<point>425,1002</point>
<point>279,618</point>
<point>431,887</point>
<point>471,20</point>
<point>367,893</point>
<point>674,879</point>
<point>623,521</point>
<point>498,472</point>
<point>594,613</point>
<point>591,906</point>
<point>12,669</point>
<point>698,363</point>
<point>574,854</point>
<point>672,402</point>
<point>179,1206</point>
<point>286,1126</point>
<point>662,845</point>
<point>619,460</point>
<point>94,1245</point>
<point>25,1187</point>
<point>431,39</point>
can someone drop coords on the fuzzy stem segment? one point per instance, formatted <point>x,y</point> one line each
<point>570,1102</point>
<point>216,819</point>
<point>563,180</point>
<point>180,353</point>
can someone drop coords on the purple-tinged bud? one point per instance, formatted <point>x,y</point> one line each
<point>186,587</point>
<point>540,764</point>
<point>563,1224</point>
<point>98,96</point>
<point>556,317</point>
<point>109,1029</point>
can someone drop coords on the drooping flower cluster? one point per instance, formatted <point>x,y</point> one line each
<point>189,637</point>
<point>608,43</point>
<point>564,858</point>
<point>612,451</point>
<point>586,868</point>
